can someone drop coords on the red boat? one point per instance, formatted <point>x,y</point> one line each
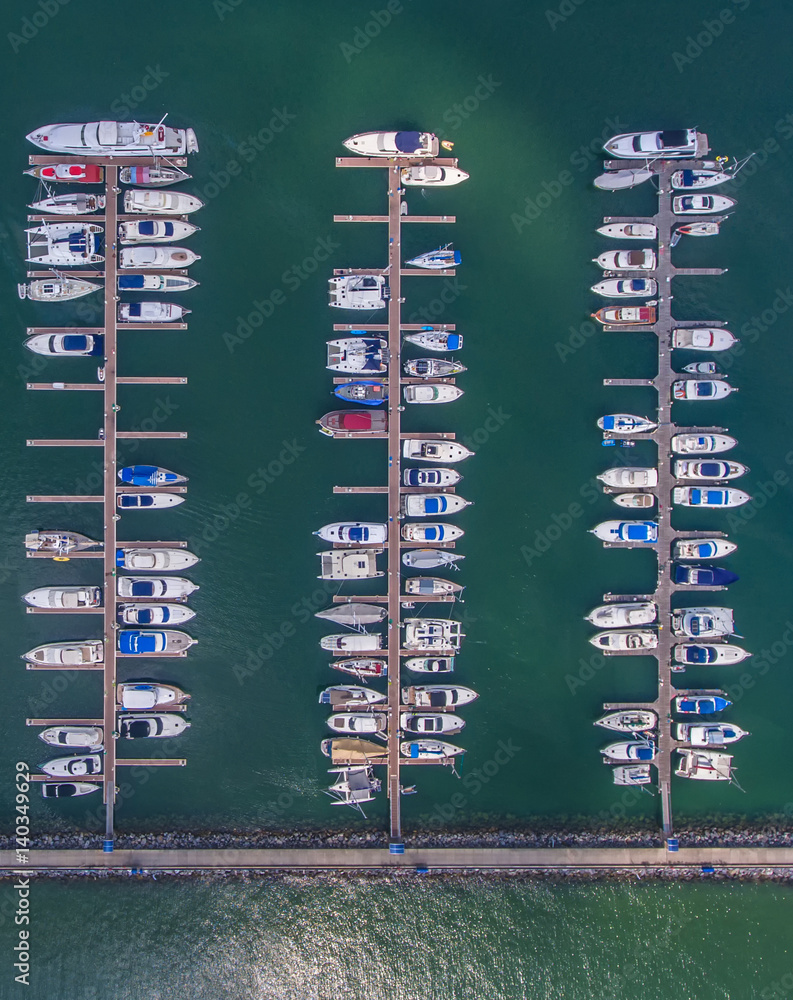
<point>69,173</point>
<point>626,315</point>
<point>363,669</point>
<point>351,423</point>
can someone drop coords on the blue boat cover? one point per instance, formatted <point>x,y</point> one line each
<point>432,534</point>
<point>359,534</point>
<point>714,496</point>
<point>723,577</point>
<point>142,588</point>
<point>127,500</point>
<point>644,753</point>
<point>75,342</point>
<point>711,468</point>
<point>139,475</point>
<point>700,655</point>
<point>414,750</point>
<point>137,642</point>
<point>145,616</point>
<point>424,586</point>
<point>407,142</point>
<point>146,228</point>
<point>688,202</point>
<point>608,423</point>
<point>674,137</point>
<point>135,308</point>
<point>705,549</point>
<point>453,341</point>
<point>705,388</point>
<point>168,228</point>
<point>414,477</point>
<point>77,243</point>
<point>119,557</point>
<point>688,178</point>
<point>637,532</point>
<point>130,281</point>
<point>696,496</point>
<point>457,257</point>
<point>433,505</point>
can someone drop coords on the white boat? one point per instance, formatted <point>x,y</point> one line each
<point>73,737</point>
<point>150,312</point>
<point>155,231</point>
<point>154,614</point>
<point>626,423</point>
<point>703,623</point>
<point>429,504</point>
<point>432,393</point>
<point>629,720</point>
<point>358,354</point>
<point>702,444</point>
<point>430,175</point>
<point>437,696</point>
<point>628,477</point>
<point>435,532</point>
<point>354,532</point>
<point>430,585</point>
<point>155,175</point>
<point>634,501</point>
<point>73,767</point>
<point>699,179</point>
<point>60,543</point>
<point>354,751</point>
<point>632,774</point>
<point>67,789</point>
<point>358,722</point>
<point>626,531</point>
<point>429,750</point>
<point>432,633</point>
<point>68,173</point>
<point>160,203</point>
<point>701,204</point>
<point>394,144</point>
<point>695,654</point>
<point>66,598</point>
<point>703,548</point>
<point>703,338</point>
<point>629,231</point>
<point>154,560</point>
<point>704,765</point>
<point>430,558</point>
<point>68,345</point>
<point>150,726</point>
<point>687,469</point>
<point>698,229</point>
<point>152,642</point>
<point>436,340</point>
<point>358,291</point>
<point>78,203</point>
<point>701,388</point>
<point>437,260</point>
<point>349,564</point>
<point>429,664</point>
<point>703,368</point>
<point>353,614</point>
<point>430,477</point>
<point>627,260</point>
<point>350,696</point>
<point>353,786</point>
<point>115,139</point>
<point>163,588</point>
<point>621,180</point>
<point>625,640</point>
<point>695,496</point>
<point>664,145</point>
<point>364,668</point>
<point>433,368</point>
<point>622,614</point>
<point>57,289</point>
<point>413,722</point>
<point>150,257</point>
<point>628,750</point>
<point>141,696</point>
<point>65,244</point>
<point>67,654</point>
<point>626,288</point>
<point>627,316</point>
<point>351,642</point>
<point>430,450</point>
<point>717,734</point>
<point>155,283</point>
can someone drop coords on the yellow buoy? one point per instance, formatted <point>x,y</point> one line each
<point>60,559</point>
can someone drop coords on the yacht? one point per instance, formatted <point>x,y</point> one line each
<point>68,173</point>
<point>354,532</point>
<point>695,496</point>
<point>153,642</point>
<point>436,340</point>
<point>358,291</point>
<point>431,633</point>
<point>394,144</point>
<point>431,393</point>
<point>349,564</point>
<point>623,614</point>
<point>703,548</point>
<point>74,737</point>
<point>353,614</point>
<point>431,559</point>
<point>77,203</point>
<point>79,653</point>
<point>60,543</point>
<point>702,444</point>
<point>629,720</point>
<point>638,532</point>
<point>437,260</point>
<point>153,614</point>
<point>629,750</point>
<point>155,175</point>
<point>695,654</point>
<point>162,588</point>
<point>629,231</point>
<point>141,726</point>
<point>358,354</point>
<point>629,477</point>
<point>627,288</point>
<point>438,696</point>
<point>160,203</point>
<point>625,640</point>
<point>626,315</point>
<point>703,623</point>
<point>626,423</point>
<point>150,312</point>
<point>429,750</point>
<point>430,175</point>
<point>701,204</point>
<point>717,734</point>
<point>154,560</point>
<point>687,469</point>
<point>432,504</point>
<point>664,145</point>
<point>627,260</point>
<point>150,257</point>
<point>699,179</point>
<point>348,642</point>
<point>704,765</point>
<point>701,703</point>
<point>67,345</point>
<point>115,139</point>
<point>703,338</point>
<point>423,450</point>
<point>65,244</point>
<point>622,180</point>
<point>57,289</point>
<point>433,532</point>
<point>155,230</point>
<point>431,477</point>
<point>701,389</point>
<point>65,598</point>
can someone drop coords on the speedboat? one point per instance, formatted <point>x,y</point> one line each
<point>431,393</point>
<point>155,283</point>
<point>436,340</point>
<point>703,368</point>
<point>430,477</point>
<point>349,564</point>
<point>358,722</point>
<point>73,737</point>
<point>625,640</point>
<point>437,260</point>
<point>704,703</point>
<point>718,734</point>
<point>67,789</point>
<point>432,633</point>
<point>413,722</point>
<point>150,726</point>
<point>430,175</point>
<point>138,697</point>
<point>701,388</point>
<point>621,614</point>
<point>431,585</point>
<point>430,558</point>
<point>154,230</point>
<point>627,477</point>
<point>629,231</point>
<point>704,765</point>
<point>115,139</point>
<point>429,664</point>
<point>67,654</point>
<point>703,576</point>
<point>147,501</point>
<point>78,203</point>
<point>626,288</point>
<point>364,669</point>
<point>368,392</point>
<point>627,260</point>
<point>703,338</point>
<point>163,588</point>
<point>73,767</point>
<point>358,291</point>
<point>626,423</point>
<point>358,354</point>
<point>154,560</point>
<point>354,532</point>
<point>394,144</point>
<point>353,423</point>
<point>702,444</point>
<point>699,229</point>
<point>705,655</point>
<point>701,204</point>
<point>154,614</point>
<point>703,623</point>
<point>621,180</point>
<point>152,642</point>
<point>687,469</point>
<point>148,257</point>
<point>353,614</point>
<point>438,696</point>
<point>433,368</point>
<point>59,542</point>
<point>632,774</point>
<point>663,145</point>
<point>424,450</point>
<point>436,532</point>
<point>626,315</point>
<point>693,496</point>
<point>68,173</point>
<point>66,598</point>
<point>627,750</point>
<point>56,289</point>
<point>150,312</point>
<point>629,720</point>
<point>68,345</point>
<point>697,180</point>
<point>65,244</point>
<point>160,203</point>
<point>635,501</point>
<point>429,504</point>
<point>149,475</point>
<point>351,751</point>
<point>152,176</point>
<point>350,696</point>
<point>626,531</point>
<point>703,548</point>
<point>429,750</point>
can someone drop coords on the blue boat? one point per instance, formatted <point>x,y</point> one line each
<point>368,392</point>
<point>703,576</point>
<point>154,642</point>
<point>149,475</point>
<point>701,704</point>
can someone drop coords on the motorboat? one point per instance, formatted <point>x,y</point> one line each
<point>79,653</point>
<point>394,144</point>
<point>413,722</point>
<point>627,260</point>
<point>629,720</point>
<point>432,633</point>
<point>422,586</point>
<point>60,288</point>
<point>155,230</point>
<point>626,315</point>
<point>155,283</point>
<point>429,750</point>
<point>436,340</point>
<point>349,564</point>
<point>629,750</point>
<point>353,423</point>
<point>437,260</point>
<point>626,531</point>
<point>67,789</point>
<point>699,179</point>
<point>147,501</point>
<point>353,614</point>
<point>140,696</point>
<point>696,654</point>
<point>369,392</point>
<point>430,477</point>
<point>703,576</point>
<point>629,231</point>
<point>429,664</point>
<point>629,477</point>
<point>430,558</point>
<point>433,368</point>
<point>161,203</point>
<point>149,475</point>
<point>153,642</point>
<point>73,767</point>
<point>701,389</point>
<point>350,696</point>
<point>115,139</point>
<point>626,423</point>
<point>431,450</point>
<point>358,291</point>
<point>704,765</point>
<point>65,598</point>
<point>59,542</point>
<point>150,726</point>
<point>354,532</point>
<point>150,312</point>
<point>701,204</point>
<point>703,368</point>
<point>65,244</point>
<point>434,532</point>
<point>699,229</point>
<point>154,560</point>
<point>431,393</point>
<point>635,501</point>
<point>703,623</point>
<point>694,496</point>
<point>358,722</point>
<point>703,548</point>
<point>717,734</point>
<point>353,786</point>
<point>153,176</point>
<point>358,354</point>
<point>627,288</point>
<point>702,444</point>
<point>702,338</point>
<point>78,203</point>
<point>364,669</point>
<point>430,175</point>
<point>154,614</point>
<point>73,737</point>
<point>68,173</point>
<point>163,588</point>
<point>703,703</point>
<point>352,751</point>
<point>688,469</point>
<point>664,145</point>
<point>67,345</point>
<point>621,614</point>
<point>431,504</point>
<point>438,696</point>
<point>632,774</point>
<point>150,257</point>
<point>625,640</point>
<point>622,180</point>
